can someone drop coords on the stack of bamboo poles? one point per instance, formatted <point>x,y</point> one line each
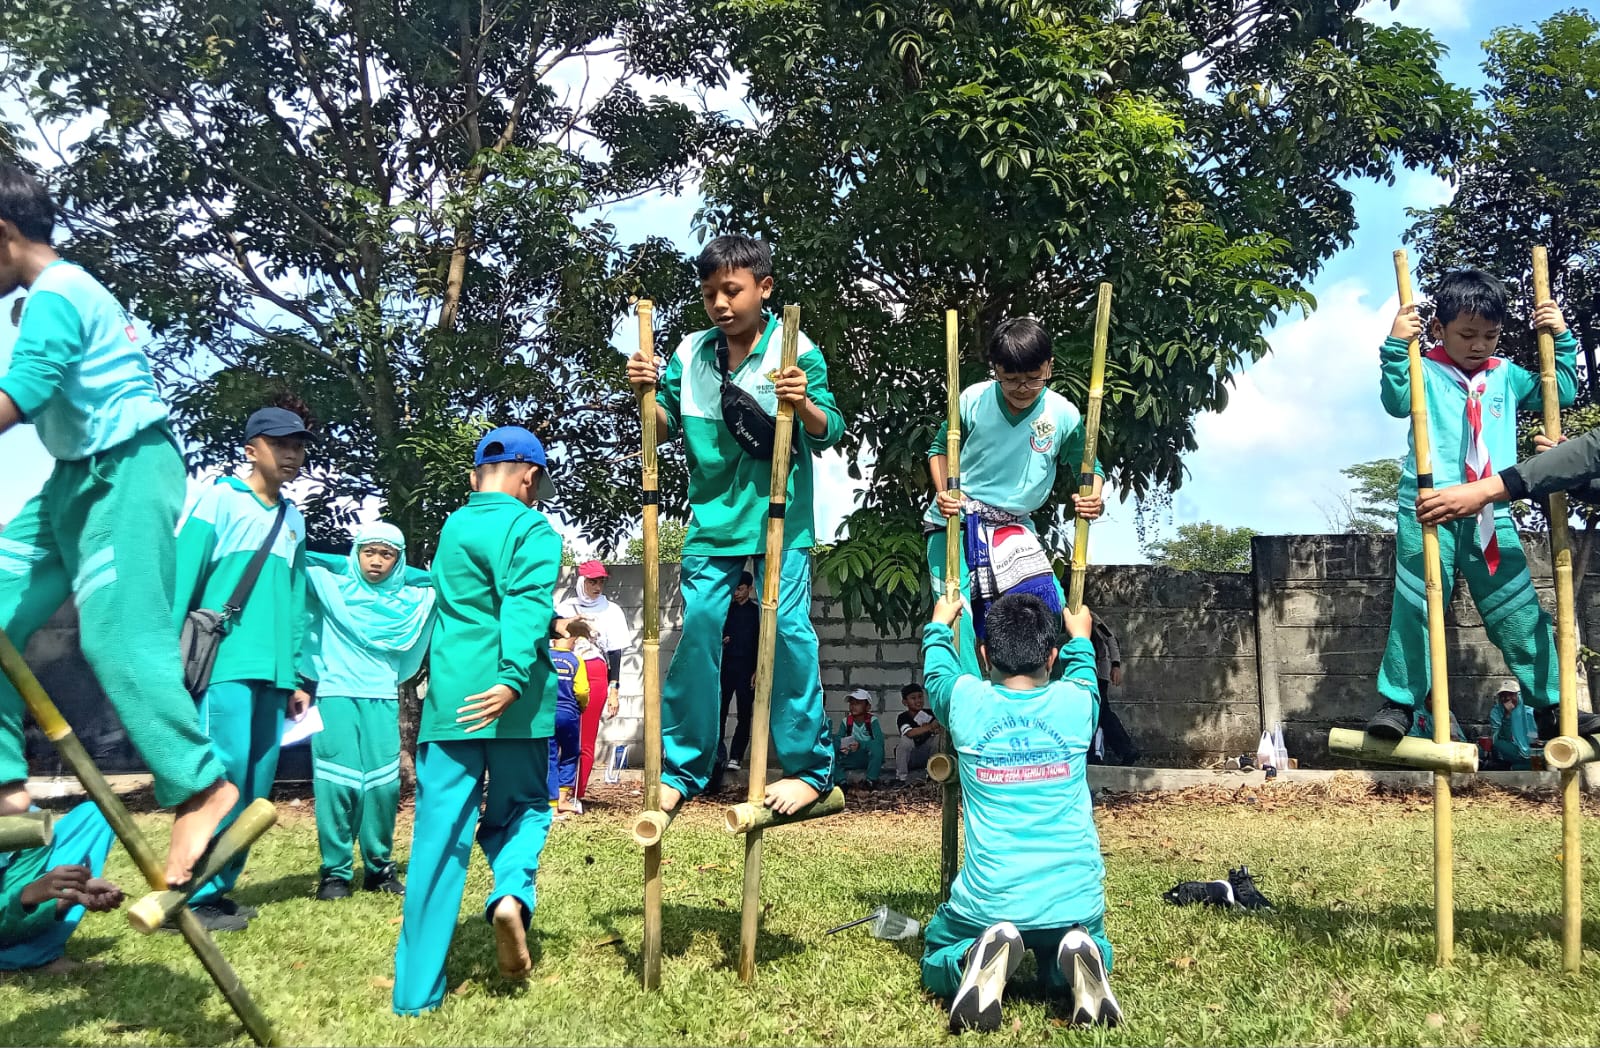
<point>55,727</point>
<point>752,817</point>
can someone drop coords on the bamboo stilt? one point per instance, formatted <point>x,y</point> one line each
<point>1566,648</point>
<point>654,819</point>
<point>950,807</point>
<point>21,832</point>
<point>1443,829</point>
<point>651,826</point>
<point>1091,437</point>
<point>761,711</point>
<point>155,909</point>
<point>940,767</point>
<point>1567,752</point>
<point>1458,757</point>
<point>750,816</point>
<point>58,731</point>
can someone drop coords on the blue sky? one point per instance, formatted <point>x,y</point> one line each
<point>1271,460</point>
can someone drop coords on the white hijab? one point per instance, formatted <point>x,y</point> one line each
<point>605,619</point>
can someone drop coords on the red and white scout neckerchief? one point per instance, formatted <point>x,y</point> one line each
<point>1477,464</point>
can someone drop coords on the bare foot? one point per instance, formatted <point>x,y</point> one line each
<point>667,798</point>
<point>196,822</point>
<point>14,799</point>
<point>511,940</point>
<point>787,796</point>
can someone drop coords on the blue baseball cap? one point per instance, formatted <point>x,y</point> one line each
<point>515,444</point>
<point>276,422</point>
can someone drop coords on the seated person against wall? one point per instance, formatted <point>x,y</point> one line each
<point>1422,722</point>
<point>920,732</point>
<point>858,741</point>
<point>1512,733</point>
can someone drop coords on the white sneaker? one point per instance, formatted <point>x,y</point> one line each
<point>992,960</point>
<point>733,765</point>
<point>1080,962</point>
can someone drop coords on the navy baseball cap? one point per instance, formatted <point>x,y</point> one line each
<point>276,422</point>
<point>515,444</point>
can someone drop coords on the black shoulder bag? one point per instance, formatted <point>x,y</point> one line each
<point>754,429</point>
<point>203,629</point>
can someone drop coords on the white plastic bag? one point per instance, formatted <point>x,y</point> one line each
<point>1264,752</point>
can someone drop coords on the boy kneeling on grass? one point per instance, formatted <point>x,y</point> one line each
<point>1032,877</point>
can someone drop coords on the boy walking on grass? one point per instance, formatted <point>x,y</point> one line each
<point>1473,399</point>
<point>733,370</point>
<point>484,740</point>
<point>1015,435</point>
<point>255,680</point>
<point>1032,877</point>
<point>101,531</point>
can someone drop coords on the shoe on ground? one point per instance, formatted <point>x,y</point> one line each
<point>732,765</point>
<point>233,909</point>
<point>992,960</point>
<point>1548,721</point>
<point>1245,891</point>
<point>385,881</point>
<point>1093,1003</point>
<point>212,919</point>
<point>1392,721</point>
<point>333,888</point>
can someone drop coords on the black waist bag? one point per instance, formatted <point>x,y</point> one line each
<point>754,429</point>
<point>203,629</point>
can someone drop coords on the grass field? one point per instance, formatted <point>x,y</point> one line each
<point>1345,957</point>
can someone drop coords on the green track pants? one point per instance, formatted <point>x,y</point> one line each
<point>355,776</point>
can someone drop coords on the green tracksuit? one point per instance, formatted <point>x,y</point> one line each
<point>494,577</point>
<point>729,494</point>
<point>1008,461</point>
<point>867,755</point>
<point>1032,851</point>
<point>1512,616</point>
<point>31,936</point>
<point>243,709</point>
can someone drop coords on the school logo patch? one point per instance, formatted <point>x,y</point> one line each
<point>1497,405</point>
<point>1044,436</point>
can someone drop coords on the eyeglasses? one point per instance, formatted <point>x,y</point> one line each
<point>1023,382</point>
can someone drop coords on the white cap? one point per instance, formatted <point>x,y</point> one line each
<point>1509,685</point>
<point>861,694</point>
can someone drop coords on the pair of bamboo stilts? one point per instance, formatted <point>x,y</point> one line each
<point>162,904</point>
<point>1444,756</point>
<point>752,817</point>
<point>943,767</point>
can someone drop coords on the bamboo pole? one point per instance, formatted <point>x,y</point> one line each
<point>1566,647</point>
<point>654,819</point>
<point>156,908</point>
<point>761,711</point>
<point>58,731</point>
<point>1569,751</point>
<point>753,815</point>
<point>950,805</point>
<point>1443,830</point>
<point>940,767</point>
<point>21,832</point>
<point>1091,437</point>
<point>1458,757</point>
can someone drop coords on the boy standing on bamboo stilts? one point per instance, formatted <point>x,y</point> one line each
<point>721,391</point>
<point>1015,433</point>
<point>370,617</point>
<point>1473,398</point>
<point>102,530</point>
<point>484,740</point>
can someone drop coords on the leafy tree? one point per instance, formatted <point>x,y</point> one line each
<point>1204,547</point>
<point>385,209</point>
<point>669,544</point>
<point>1004,156</point>
<point>1369,508</point>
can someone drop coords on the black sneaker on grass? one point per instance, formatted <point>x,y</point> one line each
<point>386,881</point>
<point>1548,721</point>
<point>1093,1003</point>
<point>992,960</point>
<point>1392,721</point>
<point>212,918</point>
<point>333,888</point>
<point>1245,891</point>
<point>233,909</point>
